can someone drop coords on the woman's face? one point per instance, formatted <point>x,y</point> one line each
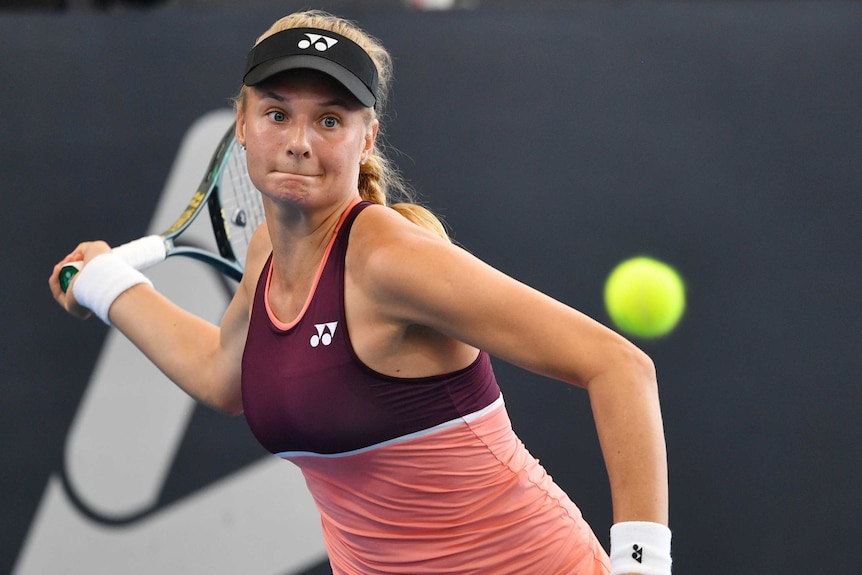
<point>306,136</point>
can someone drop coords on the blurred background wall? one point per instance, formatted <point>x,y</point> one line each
<point>556,139</point>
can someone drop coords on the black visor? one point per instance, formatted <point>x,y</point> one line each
<point>321,50</point>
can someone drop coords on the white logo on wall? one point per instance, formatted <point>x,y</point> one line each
<point>320,43</point>
<point>121,446</point>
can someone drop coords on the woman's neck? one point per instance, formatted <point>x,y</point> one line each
<point>300,238</point>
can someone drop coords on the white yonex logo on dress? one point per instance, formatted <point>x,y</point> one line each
<point>325,331</point>
<point>320,43</point>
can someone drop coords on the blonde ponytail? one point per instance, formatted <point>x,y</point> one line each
<point>422,217</point>
<point>377,182</point>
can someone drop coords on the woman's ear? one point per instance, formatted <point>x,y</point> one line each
<point>240,128</point>
<point>370,138</point>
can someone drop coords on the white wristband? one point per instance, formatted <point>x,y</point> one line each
<point>102,280</point>
<point>640,547</point>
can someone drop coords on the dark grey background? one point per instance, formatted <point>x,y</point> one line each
<point>722,137</point>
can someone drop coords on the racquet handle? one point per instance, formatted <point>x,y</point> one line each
<point>141,254</point>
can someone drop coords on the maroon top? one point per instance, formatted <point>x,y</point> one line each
<point>305,390</point>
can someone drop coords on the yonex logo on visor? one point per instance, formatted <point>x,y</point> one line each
<point>321,50</point>
<point>320,43</point>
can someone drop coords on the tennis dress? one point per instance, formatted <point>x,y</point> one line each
<point>411,476</point>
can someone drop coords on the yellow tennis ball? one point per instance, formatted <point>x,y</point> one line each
<point>645,297</point>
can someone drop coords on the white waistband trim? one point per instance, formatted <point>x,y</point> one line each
<point>470,417</point>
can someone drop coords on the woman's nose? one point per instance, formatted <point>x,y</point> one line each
<point>298,144</point>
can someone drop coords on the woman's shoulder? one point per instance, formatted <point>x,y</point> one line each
<point>387,251</point>
<point>383,232</point>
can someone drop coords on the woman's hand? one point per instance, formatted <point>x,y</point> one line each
<point>82,254</point>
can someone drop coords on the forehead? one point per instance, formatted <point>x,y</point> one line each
<point>309,83</point>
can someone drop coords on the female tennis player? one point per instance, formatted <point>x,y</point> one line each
<point>358,346</point>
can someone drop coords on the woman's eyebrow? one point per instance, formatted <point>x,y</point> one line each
<point>336,101</point>
<point>273,95</point>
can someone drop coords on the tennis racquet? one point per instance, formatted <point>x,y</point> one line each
<point>235,211</point>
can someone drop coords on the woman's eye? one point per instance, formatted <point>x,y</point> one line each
<point>276,116</point>
<point>330,122</point>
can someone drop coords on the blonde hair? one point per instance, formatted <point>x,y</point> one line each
<point>379,179</point>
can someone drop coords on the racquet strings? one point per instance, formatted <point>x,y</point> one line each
<point>242,208</point>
